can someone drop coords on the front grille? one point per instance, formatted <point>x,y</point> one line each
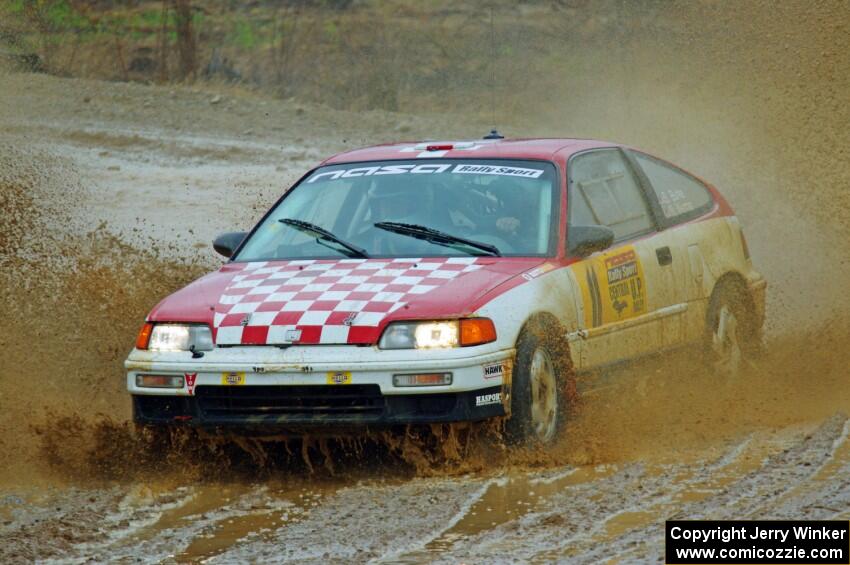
<point>415,405</point>
<point>289,402</point>
<point>161,408</point>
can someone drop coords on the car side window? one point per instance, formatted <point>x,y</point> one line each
<point>604,191</point>
<point>681,196</point>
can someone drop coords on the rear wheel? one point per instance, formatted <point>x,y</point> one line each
<point>542,387</point>
<point>731,339</point>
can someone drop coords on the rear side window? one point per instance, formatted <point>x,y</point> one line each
<point>604,191</point>
<point>681,196</point>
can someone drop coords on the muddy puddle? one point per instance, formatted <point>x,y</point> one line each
<point>206,520</point>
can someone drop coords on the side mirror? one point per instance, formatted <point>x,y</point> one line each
<point>584,240</point>
<point>226,243</point>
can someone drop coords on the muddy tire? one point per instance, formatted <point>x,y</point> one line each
<point>731,342</point>
<point>543,385</point>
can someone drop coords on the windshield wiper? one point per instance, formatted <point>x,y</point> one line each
<point>323,234</point>
<point>436,236</point>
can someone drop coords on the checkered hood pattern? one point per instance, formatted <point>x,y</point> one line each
<point>328,301</point>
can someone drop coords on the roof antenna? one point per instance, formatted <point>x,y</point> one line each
<point>494,133</point>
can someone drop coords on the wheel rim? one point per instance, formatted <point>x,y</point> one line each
<point>726,343</point>
<point>544,396</point>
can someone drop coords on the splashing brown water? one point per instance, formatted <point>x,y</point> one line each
<point>71,306</point>
<point>670,410</point>
<point>753,100</point>
<point>69,309</point>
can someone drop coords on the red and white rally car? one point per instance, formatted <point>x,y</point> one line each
<point>451,281</point>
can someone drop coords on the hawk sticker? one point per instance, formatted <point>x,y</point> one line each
<point>613,287</point>
<point>494,370</point>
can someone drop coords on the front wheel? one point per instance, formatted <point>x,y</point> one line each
<point>543,385</point>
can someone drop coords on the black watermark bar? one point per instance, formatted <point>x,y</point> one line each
<point>694,542</point>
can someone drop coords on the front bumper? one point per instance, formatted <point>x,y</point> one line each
<point>276,407</point>
<point>273,388</point>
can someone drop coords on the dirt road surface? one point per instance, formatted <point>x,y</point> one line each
<point>111,195</point>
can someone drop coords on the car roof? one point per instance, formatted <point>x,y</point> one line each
<point>526,148</point>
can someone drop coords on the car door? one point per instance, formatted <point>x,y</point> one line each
<point>624,289</point>
<point>680,198</point>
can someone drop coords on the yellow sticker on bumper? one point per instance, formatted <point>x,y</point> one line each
<point>339,378</point>
<point>233,379</point>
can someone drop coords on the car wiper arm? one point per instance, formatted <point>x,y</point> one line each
<point>436,236</point>
<point>323,234</point>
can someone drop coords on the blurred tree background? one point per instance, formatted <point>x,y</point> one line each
<point>351,54</point>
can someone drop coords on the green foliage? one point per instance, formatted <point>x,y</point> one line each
<point>331,30</point>
<point>62,16</point>
<point>58,13</point>
<point>152,19</point>
<point>15,7</point>
<point>244,35</point>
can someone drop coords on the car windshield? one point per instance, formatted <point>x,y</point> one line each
<point>439,208</point>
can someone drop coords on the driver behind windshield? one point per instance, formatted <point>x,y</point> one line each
<point>514,216</point>
<point>400,202</point>
<point>509,222</point>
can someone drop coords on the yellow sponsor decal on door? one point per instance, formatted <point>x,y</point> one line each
<point>612,285</point>
<point>339,377</point>
<point>232,379</point>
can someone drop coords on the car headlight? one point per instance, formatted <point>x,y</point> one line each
<point>438,334</point>
<point>175,337</point>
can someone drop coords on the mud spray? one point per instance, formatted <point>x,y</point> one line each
<point>71,305</point>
